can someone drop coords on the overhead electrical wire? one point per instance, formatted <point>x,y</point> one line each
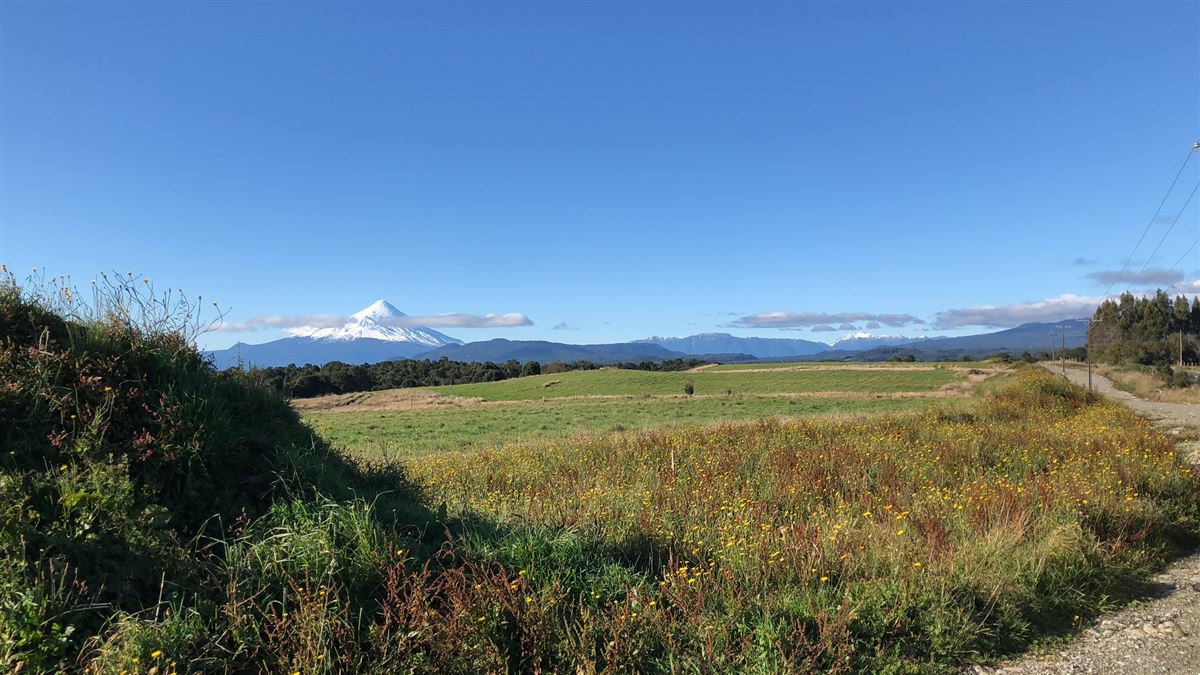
<point>1165,234</point>
<point>1191,151</point>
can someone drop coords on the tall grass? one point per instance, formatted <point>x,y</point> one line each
<point>157,515</point>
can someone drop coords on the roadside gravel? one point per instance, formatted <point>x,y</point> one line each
<point>1159,633</point>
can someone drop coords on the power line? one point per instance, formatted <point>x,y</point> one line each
<point>1167,233</point>
<point>1189,250</point>
<point>1154,217</point>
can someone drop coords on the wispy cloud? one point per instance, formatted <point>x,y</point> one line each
<point>823,328</point>
<point>564,326</point>
<point>872,325</point>
<point>281,322</point>
<point>509,320</point>
<point>1151,276</point>
<point>316,321</point>
<point>783,319</point>
<point>1084,262</point>
<point>847,326</point>
<point>1004,316</point>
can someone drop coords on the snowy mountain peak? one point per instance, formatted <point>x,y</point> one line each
<point>861,341</point>
<point>378,321</point>
<point>380,309</point>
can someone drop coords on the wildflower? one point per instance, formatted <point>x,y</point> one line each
<point>107,389</point>
<point>156,653</point>
<point>824,578</point>
<point>900,533</point>
<point>63,467</point>
<point>916,564</point>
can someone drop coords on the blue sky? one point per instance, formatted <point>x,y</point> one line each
<point>610,170</point>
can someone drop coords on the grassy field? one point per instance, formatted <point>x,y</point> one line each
<point>901,543</point>
<point>614,382</point>
<point>493,414</point>
<point>402,432</point>
<point>843,364</point>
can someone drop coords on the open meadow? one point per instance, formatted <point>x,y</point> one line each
<point>493,414</point>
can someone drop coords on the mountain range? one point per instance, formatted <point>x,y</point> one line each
<point>724,343</point>
<point>380,332</point>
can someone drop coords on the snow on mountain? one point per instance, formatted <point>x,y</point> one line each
<point>379,321</point>
<point>861,341</point>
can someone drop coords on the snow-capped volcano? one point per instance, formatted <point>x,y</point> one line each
<point>379,332</point>
<point>379,321</point>
<point>862,341</point>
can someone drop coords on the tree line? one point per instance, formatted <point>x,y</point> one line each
<point>1147,331</point>
<point>336,377</point>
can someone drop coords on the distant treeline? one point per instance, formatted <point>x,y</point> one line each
<point>1145,330</point>
<point>336,377</point>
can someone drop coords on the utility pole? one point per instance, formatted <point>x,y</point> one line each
<point>1089,350</point>
<point>1064,351</point>
<point>1180,349</point>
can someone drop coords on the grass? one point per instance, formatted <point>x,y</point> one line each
<point>156,516</point>
<point>404,433</point>
<point>913,541</point>
<point>881,365</point>
<point>1148,385</point>
<point>615,382</point>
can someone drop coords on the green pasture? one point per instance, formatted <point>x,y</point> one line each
<point>711,382</point>
<point>415,432</point>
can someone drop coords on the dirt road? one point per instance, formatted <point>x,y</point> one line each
<point>1160,633</point>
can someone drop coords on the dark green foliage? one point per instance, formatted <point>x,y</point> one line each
<point>1146,330</point>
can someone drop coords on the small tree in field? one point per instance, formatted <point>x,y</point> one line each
<point>689,389</point>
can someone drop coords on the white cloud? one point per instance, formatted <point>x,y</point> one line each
<point>316,321</point>
<point>782,319</point>
<point>457,320</point>
<point>1066,306</point>
<point>1151,276</point>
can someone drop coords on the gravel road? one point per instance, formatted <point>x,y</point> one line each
<point>1159,633</point>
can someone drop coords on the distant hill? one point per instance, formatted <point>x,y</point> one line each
<point>303,350</point>
<point>718,343</point>
<point>379,332</point>
<point>1029,337</point>
<point>501,350</point>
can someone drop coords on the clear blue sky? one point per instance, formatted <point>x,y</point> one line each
<point>616,169</point>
